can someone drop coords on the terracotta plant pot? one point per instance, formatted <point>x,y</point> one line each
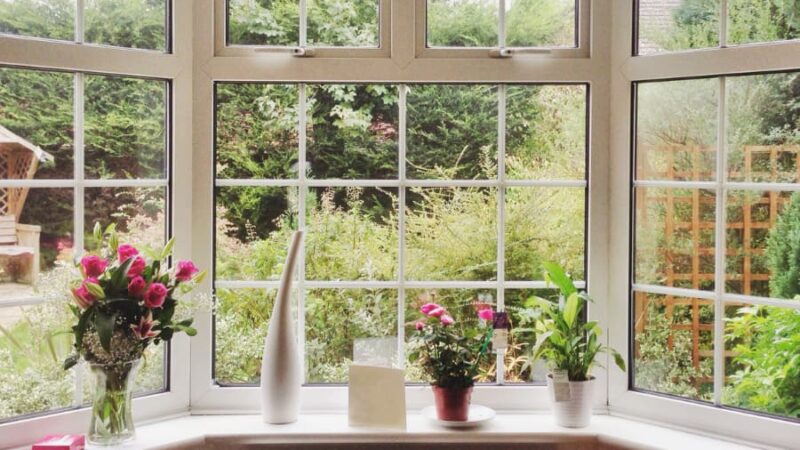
<point>576,412</point>
<point>452,404</point>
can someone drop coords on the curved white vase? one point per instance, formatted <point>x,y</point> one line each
<point>280,366</point>
<point>577,411</point>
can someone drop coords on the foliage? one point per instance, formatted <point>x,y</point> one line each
<point>567,342</point>
<point>783,252</point>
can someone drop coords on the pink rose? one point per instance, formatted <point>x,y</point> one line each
<point>93,266</point>
<point>126,251</point>
<point>428,307</point>
<point>420,325</point>
<point>185,271</point>
<point>486,314</point>
<point>155,295</point>
<point>447,320</point>
<point>83,297</point>
<point>144,330</point>
<point>437,312</point>
<point>136,287</point>
<point>136,268</point>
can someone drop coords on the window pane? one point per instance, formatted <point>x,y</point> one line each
<point>763,125</point>
<point>129,23</point>
<point>462,306</point>
<point>32,352</point>
<point>263,22</point>
<point>462,23</point>
<point>343,23</point>
<point>540,23</point>
<point>37,106</point>
<point>352,234</point>
<point>342,323</point>
<point>41,242</point>
<point>520,365</point>
<point>125,127</point>
<point>763,371</point>
<point>546,132</point>
<point>674,345</point>
<point>241,320</point>
<point>451,234</point>
<point>675,237</point>
<point>452,131</point>
<point>352,131</point>
<point>558,234</point>
<point>138,213</point>
<point>257,130</point>
<point>51,19</point>
<point>762,21</point>
<point>676,130</point>
<point>253,230</point>
<point>762,246</point>
<point>666,26</point>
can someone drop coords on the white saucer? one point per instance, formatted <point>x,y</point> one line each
<point>478,415</point>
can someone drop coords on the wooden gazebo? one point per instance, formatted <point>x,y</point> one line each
<point>19,244</point>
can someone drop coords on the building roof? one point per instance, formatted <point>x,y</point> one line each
<point>9,139</point>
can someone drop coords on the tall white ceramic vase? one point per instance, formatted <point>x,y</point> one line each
<point>280,366</point>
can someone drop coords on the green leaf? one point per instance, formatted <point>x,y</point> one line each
<point>80,327</point>
<point>618,359</point>
<point>96,290</point>
<point>167,249</point>
<point>104,323</point>
<point>556,275</point>
<point>71,361</point>
<point>571,309</point>
<point>98,232</point>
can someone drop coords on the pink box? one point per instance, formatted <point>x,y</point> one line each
<point>60,442</point>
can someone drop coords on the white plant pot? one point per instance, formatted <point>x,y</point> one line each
<point>577,411</point>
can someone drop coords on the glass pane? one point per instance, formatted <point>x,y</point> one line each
<point>675,237</point>
<point>462,305</point>
<point>253,229</point>
<point>139,214</point>
<point>763,127</point>
<point>762,246</point>
<point>762,370</point>
<point>462,23</point>
<point>33,346</point>
<point>240,325</point>
<point>451,234</point>
<point>152,375</point>
<point>674,345</point>
<point>338,322</point>
<point>352,131</point>
<point>452,131</point>
<point>546,132</point>
<point>676,130</point>
<point>762,20</point>
<point>540,23</point>
<point>126,127</point>
<point>343,23</point>
<point>263,22</point>
<point>37,106</point>
<point>558,234</point>
<point>37,246</point>
<point>677,25</point>
<point>257,130</point>
<point>129,23</point>
<point>352,234</point>
<point>51,19</point>
<point>520,365</point>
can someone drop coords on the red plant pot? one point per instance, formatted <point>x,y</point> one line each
<point>452,404</point>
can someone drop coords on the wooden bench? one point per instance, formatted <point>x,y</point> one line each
<point>19,250</point>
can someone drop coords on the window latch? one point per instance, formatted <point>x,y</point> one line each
<point>302,52</point>
<point>501,52</point>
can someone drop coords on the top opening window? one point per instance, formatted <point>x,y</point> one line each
<point>312,23</point>
<point>680,25</point>
<point>502,23</point>
<point>141,24</point>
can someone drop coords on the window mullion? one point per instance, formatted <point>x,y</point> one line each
<point>80,35</point>
<point>501,210</point>
<point>301,224</point>
<point>401,226</point>
<point>78,208</point>
<point>303,5</point>
<point>723,23</point>
<point>720,247</point>
<point>501,24</point>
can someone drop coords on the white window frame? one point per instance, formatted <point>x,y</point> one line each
<point>176,67</point>
<point>626,70</point>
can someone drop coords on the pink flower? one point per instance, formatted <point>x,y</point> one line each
<point>93,266</point>
<point>486,314</point>
<point>437,312</point>
<point>145,328</point>
<point>83,297</point>
<point>136,287</point>
<point>420,325</point>
<point>155,295</point>
<point>447,320</point>
<point>185,271</point>
<point>136,268</point>
<point>428,307</point>
<point>126,251</point>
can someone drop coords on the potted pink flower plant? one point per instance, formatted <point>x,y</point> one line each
<point>451,358</point>
<point>124,303</point>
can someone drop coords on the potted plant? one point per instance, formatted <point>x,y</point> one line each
<point>570,346</point>
<point>451,359</point>
<point>123,304</point>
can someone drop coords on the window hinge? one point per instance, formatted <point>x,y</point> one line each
<point>302,52</point>
<point>500,52</point>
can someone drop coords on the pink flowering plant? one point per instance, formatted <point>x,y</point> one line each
<point>125,301</point>
<point>451,355</point>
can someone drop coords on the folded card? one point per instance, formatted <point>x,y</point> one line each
<point>377,397</point>
<point>60,442</point>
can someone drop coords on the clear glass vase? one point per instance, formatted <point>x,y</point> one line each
<point>112,421</point>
